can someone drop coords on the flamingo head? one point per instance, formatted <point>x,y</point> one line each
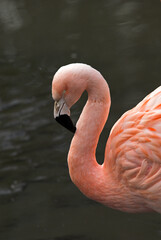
<point>67,86</point>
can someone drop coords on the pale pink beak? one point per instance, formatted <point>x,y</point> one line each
<point>62,115</point>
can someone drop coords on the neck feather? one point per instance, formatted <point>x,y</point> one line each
<point>84,170</point>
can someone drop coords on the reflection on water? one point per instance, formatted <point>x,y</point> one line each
<point>9,15</point>
<point>119,38</point>
<point>11,21</point>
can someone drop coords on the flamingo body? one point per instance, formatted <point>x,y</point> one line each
<point>130,177</point>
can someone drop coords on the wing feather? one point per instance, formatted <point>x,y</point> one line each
<point>133,151</point>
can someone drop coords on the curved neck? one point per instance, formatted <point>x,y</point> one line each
<point>84,170</point>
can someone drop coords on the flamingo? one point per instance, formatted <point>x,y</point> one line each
<point>129,179</point>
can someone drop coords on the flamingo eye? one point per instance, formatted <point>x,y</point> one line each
<point>64,92</point>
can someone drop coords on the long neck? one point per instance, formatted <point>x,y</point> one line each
<point>84,170</point>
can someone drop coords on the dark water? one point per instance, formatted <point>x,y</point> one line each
<point>120,38</point>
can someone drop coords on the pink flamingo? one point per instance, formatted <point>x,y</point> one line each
<point>130,177</point>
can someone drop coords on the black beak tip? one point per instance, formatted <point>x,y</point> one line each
<point>66,122</point>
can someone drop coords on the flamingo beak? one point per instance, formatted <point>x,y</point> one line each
<point>62,115</point>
